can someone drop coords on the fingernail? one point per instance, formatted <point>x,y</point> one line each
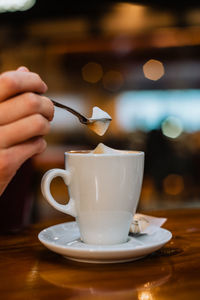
<point>45,86</point>
<point>23,69</point>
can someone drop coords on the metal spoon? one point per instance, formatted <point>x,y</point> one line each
<point>82,119</point>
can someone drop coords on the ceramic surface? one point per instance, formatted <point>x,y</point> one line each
<point>64,239</point>
<point>104,190</point>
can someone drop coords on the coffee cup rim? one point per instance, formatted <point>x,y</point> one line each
<point>116,153</point>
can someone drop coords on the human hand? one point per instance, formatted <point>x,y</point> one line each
<point>24,119</point>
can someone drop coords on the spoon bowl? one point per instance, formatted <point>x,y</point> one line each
<point>98,123</point>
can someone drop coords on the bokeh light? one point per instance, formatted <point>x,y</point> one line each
<point>113,80</point>
<point>145,295</point>
<point>15,5</point>
<point>172,127</point>
<point>173,184</point>
<point>92,72</point>
<point>153,69</point>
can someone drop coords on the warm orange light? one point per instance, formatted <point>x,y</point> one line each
<point>153,69</point>
<point>113,80</point>
<point>173,184</point>
<point>92,72</point>
<point>145,295</point>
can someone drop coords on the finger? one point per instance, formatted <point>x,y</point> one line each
<point>22,130</point>
<point>21,152</point>
<point>25,105</point>
<point>14,82</point>
<point>12,158</point>
<point>23,69</point>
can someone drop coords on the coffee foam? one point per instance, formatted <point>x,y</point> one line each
<point>99,127</point>
<point>103,149</point>
<point>102,121</point>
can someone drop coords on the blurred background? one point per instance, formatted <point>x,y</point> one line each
<point>137,60</point>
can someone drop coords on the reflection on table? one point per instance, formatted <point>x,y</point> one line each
<point>29,270</point>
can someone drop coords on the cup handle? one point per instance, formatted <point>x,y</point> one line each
<point>68,208</point>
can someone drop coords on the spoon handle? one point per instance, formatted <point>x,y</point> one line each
<point>81,118</point>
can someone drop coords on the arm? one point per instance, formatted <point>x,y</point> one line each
<point>24,120</point>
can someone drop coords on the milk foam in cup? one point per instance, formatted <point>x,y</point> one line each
<point>103,149</point>
<point>104,188</point>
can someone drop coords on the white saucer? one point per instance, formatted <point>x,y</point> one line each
<point>64,239</point>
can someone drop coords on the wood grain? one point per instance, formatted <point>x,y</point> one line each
<point>30,271</point>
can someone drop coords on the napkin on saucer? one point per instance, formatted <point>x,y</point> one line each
<point>143,224</point>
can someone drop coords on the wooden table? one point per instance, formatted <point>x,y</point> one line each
<point>30,271</point>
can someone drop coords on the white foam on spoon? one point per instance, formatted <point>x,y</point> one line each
<point>102,121</point>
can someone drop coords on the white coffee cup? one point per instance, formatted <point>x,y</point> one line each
<point>104,190</point>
